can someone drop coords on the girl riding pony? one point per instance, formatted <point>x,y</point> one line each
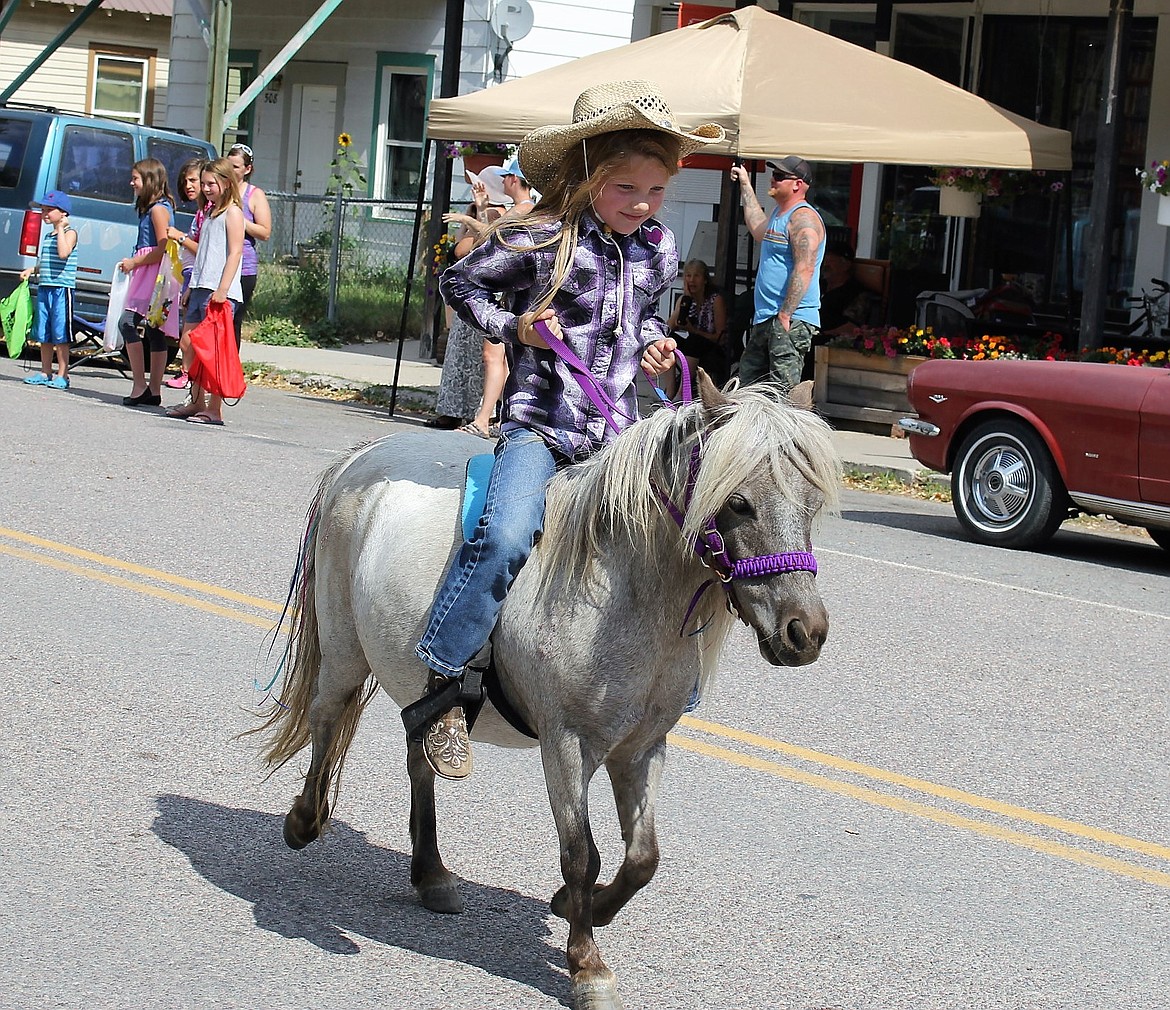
<point>590,262</point>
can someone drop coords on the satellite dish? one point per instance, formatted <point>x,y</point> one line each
<point>512,19</point>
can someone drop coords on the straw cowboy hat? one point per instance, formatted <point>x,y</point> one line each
<point>618,105</point>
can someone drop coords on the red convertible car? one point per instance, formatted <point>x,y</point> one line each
<point>1028,444</point>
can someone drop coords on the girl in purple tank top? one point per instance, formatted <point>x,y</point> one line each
<point>257,225</point>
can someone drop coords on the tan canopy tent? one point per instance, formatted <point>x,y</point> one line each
<point>778,88</point>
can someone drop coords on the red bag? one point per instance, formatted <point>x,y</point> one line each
<point>217,367</point>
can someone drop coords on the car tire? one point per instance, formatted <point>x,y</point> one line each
<point>1005,488</point>
<point>1160,536</point>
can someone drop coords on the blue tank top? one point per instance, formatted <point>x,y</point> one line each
<point>52,271</point>
<point>146,226</point>
<point>776,263</point>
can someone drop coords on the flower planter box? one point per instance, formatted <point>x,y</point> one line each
<point>862,387</point>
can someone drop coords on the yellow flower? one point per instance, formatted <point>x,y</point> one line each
<point>344,140</point>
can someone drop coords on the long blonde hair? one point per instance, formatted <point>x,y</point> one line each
<point>221,168</point>
<point>578,182</point>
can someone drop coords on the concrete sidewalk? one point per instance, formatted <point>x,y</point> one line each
<point>374,363</point>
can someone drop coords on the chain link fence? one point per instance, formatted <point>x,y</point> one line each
<point>337,265</point>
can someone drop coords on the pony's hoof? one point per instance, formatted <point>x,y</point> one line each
<point>596,996</point>
<point>560,905</point>
<point>294,837</point>
<point>300,826</point>
<point>441,898</point>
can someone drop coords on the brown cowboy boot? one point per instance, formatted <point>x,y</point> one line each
<point>446,745</point>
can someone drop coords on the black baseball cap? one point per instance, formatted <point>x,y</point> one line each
<point>796,167</point>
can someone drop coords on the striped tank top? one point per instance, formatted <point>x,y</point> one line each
<point>52,270</point>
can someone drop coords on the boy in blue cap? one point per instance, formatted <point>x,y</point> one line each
<point>56,272</point>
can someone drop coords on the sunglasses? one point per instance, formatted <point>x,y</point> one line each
<point>240,147</point>
<point>781,177</point>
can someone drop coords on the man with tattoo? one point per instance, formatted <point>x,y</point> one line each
<point>788,292</point>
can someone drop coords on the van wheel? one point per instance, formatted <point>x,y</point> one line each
<point>1005,488</point>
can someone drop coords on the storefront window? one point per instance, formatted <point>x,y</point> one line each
<point>1050,69</point>
<point>911,234</point>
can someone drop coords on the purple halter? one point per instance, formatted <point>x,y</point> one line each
<point>709,546</point>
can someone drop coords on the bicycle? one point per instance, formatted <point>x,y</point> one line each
<point>1153,314</point>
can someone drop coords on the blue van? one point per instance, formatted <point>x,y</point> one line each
<point>90,159</point>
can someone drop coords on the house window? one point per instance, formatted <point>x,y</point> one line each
<point>404,87</point>
<point>241,72</point>
<point>121,84</point>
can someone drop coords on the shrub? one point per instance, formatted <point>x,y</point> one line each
<point>281,332</point>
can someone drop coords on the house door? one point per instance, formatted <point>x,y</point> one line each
<point>316,137</point>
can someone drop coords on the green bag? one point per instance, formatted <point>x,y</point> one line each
<point>16,315</point>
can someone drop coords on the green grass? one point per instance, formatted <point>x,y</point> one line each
<point>927,488</point>
<point>369,302</point>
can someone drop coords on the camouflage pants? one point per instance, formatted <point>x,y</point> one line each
<point>775,354</point>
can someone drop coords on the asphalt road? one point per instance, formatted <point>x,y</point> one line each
<point>963,804</point>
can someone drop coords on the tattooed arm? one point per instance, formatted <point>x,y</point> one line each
<point>753,214</point>
<point>805,235</point>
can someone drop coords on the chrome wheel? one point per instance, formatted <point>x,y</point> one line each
<point>1005,488</point>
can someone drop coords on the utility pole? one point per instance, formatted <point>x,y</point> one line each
<point>1100,230</point>
<point>217,67</point>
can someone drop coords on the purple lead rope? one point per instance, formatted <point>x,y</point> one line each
<point>592,388</point>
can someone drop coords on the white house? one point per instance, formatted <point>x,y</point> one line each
<point>114,64</point>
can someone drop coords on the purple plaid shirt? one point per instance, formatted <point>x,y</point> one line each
<point>608,332</point>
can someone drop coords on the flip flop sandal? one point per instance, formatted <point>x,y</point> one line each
<point>202,418</point>
<point>471,428</point>
<point>182,411</point>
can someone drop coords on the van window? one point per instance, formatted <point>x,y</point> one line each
<point>175,155</point>
<point>13,142</point>
<point>96,164</point>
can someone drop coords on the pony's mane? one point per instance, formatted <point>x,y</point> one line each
<point>613,495</point>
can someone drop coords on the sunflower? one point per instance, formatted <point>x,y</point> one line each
<point>344,140</point>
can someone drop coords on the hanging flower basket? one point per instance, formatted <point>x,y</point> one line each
<point>1164,210</point>
<point>478,162</point>
<point>953,202</point>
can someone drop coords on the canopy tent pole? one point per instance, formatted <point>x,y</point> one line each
<point>422,188</point>
<point>49,49</point>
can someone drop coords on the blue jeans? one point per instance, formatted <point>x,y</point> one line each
<point>469,600</point>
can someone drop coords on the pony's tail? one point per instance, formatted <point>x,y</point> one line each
<point>287,722</point>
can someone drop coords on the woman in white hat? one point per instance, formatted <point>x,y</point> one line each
<point>591,262</point>
<point>508,179</point>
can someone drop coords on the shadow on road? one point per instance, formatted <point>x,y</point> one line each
<point>1131,553</point>
<point>344,884</point>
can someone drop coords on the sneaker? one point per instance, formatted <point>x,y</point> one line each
<point>180,381</point>
<point>40,379</point>
<point>58,382</point>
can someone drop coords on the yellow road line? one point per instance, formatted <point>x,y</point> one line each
<point>788,772</point>
<point>865,795</point>
<point>921,785</point>
<point>138,587</point>
<point>150,573</point>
